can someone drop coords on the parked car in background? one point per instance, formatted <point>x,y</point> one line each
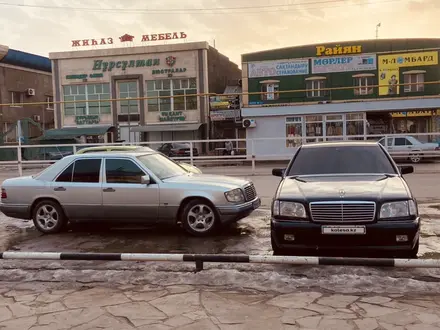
<point>416,149</point>
<point>188,167</point>
<point>177,150</point>
<point>127,187</point>
<point>344,196</point>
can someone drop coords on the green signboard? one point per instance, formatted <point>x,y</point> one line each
<point>84,76</point>
<point>100,65</point>
<point>172,116</point>
<point>87,120</point>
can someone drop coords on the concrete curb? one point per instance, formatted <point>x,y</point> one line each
<point>199,259</point>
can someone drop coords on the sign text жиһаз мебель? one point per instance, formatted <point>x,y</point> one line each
<point>129,38</point>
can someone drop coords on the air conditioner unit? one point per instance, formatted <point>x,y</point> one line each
<point>247,123</point>
<point>36,118</point>
<point>30,92</point>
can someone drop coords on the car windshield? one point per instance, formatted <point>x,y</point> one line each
<point>180,145</point>
<point>162,166</point>
<point>341,160</point>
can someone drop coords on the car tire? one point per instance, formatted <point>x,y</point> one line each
<point>49,217</point>
<point>199,218</point>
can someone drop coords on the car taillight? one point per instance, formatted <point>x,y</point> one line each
<point>4,195</point>
<point>437,148</point>
<point>180,151</point>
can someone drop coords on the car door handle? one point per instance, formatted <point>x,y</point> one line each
<point>108,190</point>
<point>59,189</point>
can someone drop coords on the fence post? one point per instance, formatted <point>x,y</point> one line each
<point>191,152</point>
<point>253,156</point>
<point>74,149</point>
<point>19,159</point>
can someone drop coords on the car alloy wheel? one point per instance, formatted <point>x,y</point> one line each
<point>415,158</point>
<point>199,218</point>
<point>48,217</point>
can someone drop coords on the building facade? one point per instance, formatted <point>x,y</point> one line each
<point>337,90</point>
<point>168,76</point>
<point>24,78</point>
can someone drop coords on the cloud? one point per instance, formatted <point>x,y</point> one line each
<point>236,32</point>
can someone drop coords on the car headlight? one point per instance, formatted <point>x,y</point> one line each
<point>235,196</point>
<point>399,209</point>
<point>289,209</point>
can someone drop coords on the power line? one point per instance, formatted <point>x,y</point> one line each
<point>280,7</point>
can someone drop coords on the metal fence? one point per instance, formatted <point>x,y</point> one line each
<point>214,153</point>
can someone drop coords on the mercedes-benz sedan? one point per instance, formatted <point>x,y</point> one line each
<point>144,188</point>
<point>344,196</point>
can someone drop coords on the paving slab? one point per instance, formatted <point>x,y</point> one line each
<point>74,306</point>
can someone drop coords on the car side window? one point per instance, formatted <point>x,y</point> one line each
<point>399,141</point>
<point>87,170</point>
<point>122,171</point>
<point>408,142</point>
<point>390,142</point>
<point>66,175</point>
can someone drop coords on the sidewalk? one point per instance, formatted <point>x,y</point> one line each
<point>70,306</point>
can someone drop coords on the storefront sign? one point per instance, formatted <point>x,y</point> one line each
<point>110,65</point>
<point>164,36</point>
<point>87,120</point>
<point>84,76</point>
<point>278,68</point>
<point>338,50</point>
<point>389,68</point>
<point>172,116</point>
<point>420,113</point>
<point>220,115</point>
<point>219,102</point>
<point>344,63</point>
<point>127,37</point>
<point>165,71</point>
<point>92,42</point>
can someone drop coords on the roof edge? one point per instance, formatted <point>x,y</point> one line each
<point>3,51</point>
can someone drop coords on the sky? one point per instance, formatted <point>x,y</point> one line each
<point>237,26</point>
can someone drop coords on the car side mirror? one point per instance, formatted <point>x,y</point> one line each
<point>406,169</point>
<point>278,172</point>
<point>145,179</point>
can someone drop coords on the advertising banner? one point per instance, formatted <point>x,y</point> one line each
<point>389,66</point>
<point>344,63</point>
<point>219,102</point>
<point>388,81</point>
<point>278,68</point>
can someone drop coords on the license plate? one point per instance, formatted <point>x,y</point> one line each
<point>343,230</point>
<point>256,204</point>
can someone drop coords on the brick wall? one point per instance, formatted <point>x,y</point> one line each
<point>221,71</point>
<point>14,79</point>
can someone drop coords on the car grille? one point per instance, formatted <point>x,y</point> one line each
<point>250,192</point>
<point>343,211</point>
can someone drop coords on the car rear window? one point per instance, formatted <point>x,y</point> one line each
<point>341,160</point>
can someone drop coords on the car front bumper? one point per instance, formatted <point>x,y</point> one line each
<point>233,213</point>
<point>379,236</point>
<point>16,211</point>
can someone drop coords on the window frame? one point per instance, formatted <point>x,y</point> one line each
<point>73,171</point>
<point>130,96</point>
<point>367,87</point>
<point>314,92</point>
<point>49,102</point>
<point>17,104</point>
<point>418,86</point>
<point>104,179</point>
<point>87,100</point>
<point>154,100</point>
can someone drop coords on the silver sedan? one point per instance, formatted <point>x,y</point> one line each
<point>142,188</point>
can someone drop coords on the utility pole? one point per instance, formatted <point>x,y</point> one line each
<point>377,31</point>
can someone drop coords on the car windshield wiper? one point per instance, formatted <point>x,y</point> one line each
<point>295,177</point>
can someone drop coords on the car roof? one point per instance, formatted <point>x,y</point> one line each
<point>106,154</point>
<point>340,144</point>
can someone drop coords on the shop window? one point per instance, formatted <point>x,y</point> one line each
<point>128,90</point>
<point>315,87</point>
<point>293,132</point>
<point>49,103</point>
<point>364,83</point>
<point>334,127</point>
<point>417,80</point>
<point>270,90</point>
<point>314,128</point>
<point>17,99</point>
<point>354,125</point>
<point>176,94</point>
<point>77,99</point>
